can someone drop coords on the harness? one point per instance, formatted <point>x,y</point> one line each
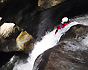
<point>61,25</point>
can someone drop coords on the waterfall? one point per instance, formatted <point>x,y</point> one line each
<point>47,42</point>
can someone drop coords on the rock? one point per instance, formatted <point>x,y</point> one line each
<point>12,40</point>
<point>8,33</point>
<point>48,3</point>
<point>60,59</point>
<point>5,57</point>
<point>27,16</point>
<point>8,59</point>
<point>75,32</point>
<point>70,53</point>
<point>25,41</point>
<point>0,18</point>
<point>23,13</point>
<point>2,1</point>
<point>6,29</point>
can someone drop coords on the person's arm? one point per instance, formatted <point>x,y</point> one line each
<point>65,24</point>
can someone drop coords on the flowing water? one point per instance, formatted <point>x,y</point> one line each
<point>48,41</point>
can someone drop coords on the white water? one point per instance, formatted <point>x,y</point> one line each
<point>48,41</point>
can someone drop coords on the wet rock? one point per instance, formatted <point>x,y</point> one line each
<point>6,29</point>
<point>75,32</point>
<point>71,53</point>
<point>8,59</point>
<point>25,41</point>
<point>60,59</point>
<point>26,14</point>
<point>52,17</point>
<point>22,13</point>
<point>0,18</point>
<point>1,0</point>
<point>8,33</point>
<point>12,40</point>
<point>44,4</point>
<point>5,57</point>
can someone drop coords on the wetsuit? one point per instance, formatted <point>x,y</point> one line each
<point>60,26</point>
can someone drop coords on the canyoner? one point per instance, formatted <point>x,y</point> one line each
<point>63,23</point>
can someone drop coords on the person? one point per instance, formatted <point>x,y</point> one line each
<point>63,23</point>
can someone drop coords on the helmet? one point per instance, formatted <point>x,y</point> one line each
<point>65,19</point>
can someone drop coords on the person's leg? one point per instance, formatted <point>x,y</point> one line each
<point>56,31</point>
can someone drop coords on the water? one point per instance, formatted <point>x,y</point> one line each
<point>48,41</point>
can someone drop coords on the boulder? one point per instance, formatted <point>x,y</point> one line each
<point>13,38</point>
<point>25,41</point>
<point>48,3</point>
<point>9,59</point>
<point>1,0</point>
<point>76,32</point>
<point>70,53</point>
<point>0,18</point>
<point>60,59</point>
<point>6,29</point>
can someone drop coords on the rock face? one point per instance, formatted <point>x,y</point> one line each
<point>70,53</point>
<point>12,40</point>
<point>48,3</point>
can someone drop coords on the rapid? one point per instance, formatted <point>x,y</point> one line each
<point>48,41</point>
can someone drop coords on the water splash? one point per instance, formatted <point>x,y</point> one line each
<point>47,42</point>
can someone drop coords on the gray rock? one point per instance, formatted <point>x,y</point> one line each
<point>69,54</point>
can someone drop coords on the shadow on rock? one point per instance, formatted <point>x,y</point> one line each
<point>8,59</point>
